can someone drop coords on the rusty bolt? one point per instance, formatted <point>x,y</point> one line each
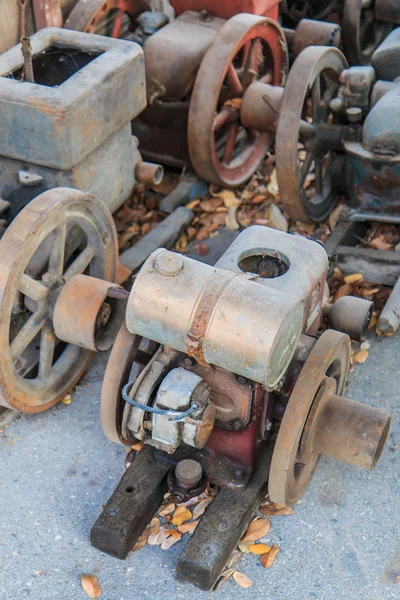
<point>47,277</point>
<point>188,362</point>
<point>237,423</point>
<point>104,315</point>
<point>189,472</point>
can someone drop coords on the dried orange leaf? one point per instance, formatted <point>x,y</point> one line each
<point>166,510</point>
<point>171,537</point>
<point>91,586</point>
<point>188,527</point>
<point>267,560</point>
<point>157,538</point>
<point>259,548</point>
<point>275,510</point>
<point>137,447</point>
<point>154,526</point>
<point>355,277</point>
<point>228,197</point>
<point>182,516</point>
<point>360,356</point>
<point>201,507</point>
<point>193,204</point>
<point>242,579</point>
<point>256,530</point>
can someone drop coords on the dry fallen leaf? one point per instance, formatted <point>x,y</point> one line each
<point>188,527</point>
<point>353,278</point>
<point>67,399</point>
<point>231,221</point>
<point>224,577</point>
<point>259,548</point>
<point>181,515</point>
<point>379,243</point>
<point>171,537</point>
<point>244,548</point>
<point>157,538</point>
<point>201,507</point>
<point>360,356</point>
<point>91,586</point>
<point>242,579</point>
<point>335,216</point>
<point>228,197</point>
<point>273,184</point>
<point>256,530</point>
<point>166,510</point>
<point>154,526</point>
<point>267,560</point>
<point>137,447</point>
<point>275,510</point>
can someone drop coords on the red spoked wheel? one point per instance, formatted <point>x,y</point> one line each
<point>247,48</point>
<point>111,18</point>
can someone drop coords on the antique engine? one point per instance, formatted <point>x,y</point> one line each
<point>65,119</point>
<point>219,370</point>
<point>340,133</point>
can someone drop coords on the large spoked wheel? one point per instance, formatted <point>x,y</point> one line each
<point>59,234</point>
<point>362,32</point>
<point>248,48</point>
<point>304,160</point>
<point>111,18</point>
<point>294,460</point>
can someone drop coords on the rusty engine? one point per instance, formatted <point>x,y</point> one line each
<point>219,371</point>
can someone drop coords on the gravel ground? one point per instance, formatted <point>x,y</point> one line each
<point>342,543</point>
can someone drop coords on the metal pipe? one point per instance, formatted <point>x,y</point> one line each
<point>149,173</point>
<point>27,54</point>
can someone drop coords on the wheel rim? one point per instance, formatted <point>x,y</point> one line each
<point>37,369</point>
<point>361,31</point>
<point>328,362</point>
<point>246,49</point>
<point>111,18</point>
<point>312,83</point>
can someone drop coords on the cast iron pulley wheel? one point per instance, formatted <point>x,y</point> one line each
<point>247,48</point>
<point>59,234</point>
<point>362,32</point>
<point>304,160</point>
<point>112,18</point>
<point>294,460</point>
<point>117,374</point>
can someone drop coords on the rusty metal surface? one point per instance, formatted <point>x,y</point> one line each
<point>29,288</point>
<point>149,173</point>
<point>387,10</point>
<point>362,32</point>
<point>47,13</point>
<point>246,49</point>
<point>104,17</point>
<point>290,471</point>
<point>312,83</point>
<point>315,33</point>
<point>225,9</point>
<point>85,315</point>
<point>231,395</point>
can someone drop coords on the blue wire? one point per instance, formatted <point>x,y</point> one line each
<point>173,414</point>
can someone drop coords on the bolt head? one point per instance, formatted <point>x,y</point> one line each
<point>189,472</point>
<point>168,264</point>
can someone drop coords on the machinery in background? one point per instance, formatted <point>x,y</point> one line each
<point>67,102</point>
<point>232,386</point>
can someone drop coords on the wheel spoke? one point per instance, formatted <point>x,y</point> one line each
<point>246,50</point>
<point>47,345</point>
<point>230,142</point>
<point>81,263</point>
<point>228,113</point>
<point>316,100</point>
<point>57,252</point>
<point>255,57</point>
<point>28,332</point>
<point>233,82</point>
<point>33,289</point>
<point>305,167</point>
<point>117,24</point>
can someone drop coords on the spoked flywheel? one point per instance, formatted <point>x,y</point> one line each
<point>247,49</point>
<point>60,234</point>
<point>111,18</point>
<point>305,138</point>
<point>362,31</point>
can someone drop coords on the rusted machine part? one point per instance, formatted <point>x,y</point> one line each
<point>315,33</point>
<point>293,10</point>
<point>117,374</point>
<point>260,107</point>
<point>313,81</point>
<point>387,10</point>
<point>36,368</point>
<point>149,173</point>
<point>225,9</point>
<point>362,32</point>
<point>47,13</point>
<point>350,315</point>
<point>111,18</point>
<point>27,54</point>
<point>247,48</point>
<point>86,315</point>
<point>290,472</point>
<point>344,430</point>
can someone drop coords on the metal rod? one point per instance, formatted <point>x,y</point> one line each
<point>27,54</point>
<point>118,293</point>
